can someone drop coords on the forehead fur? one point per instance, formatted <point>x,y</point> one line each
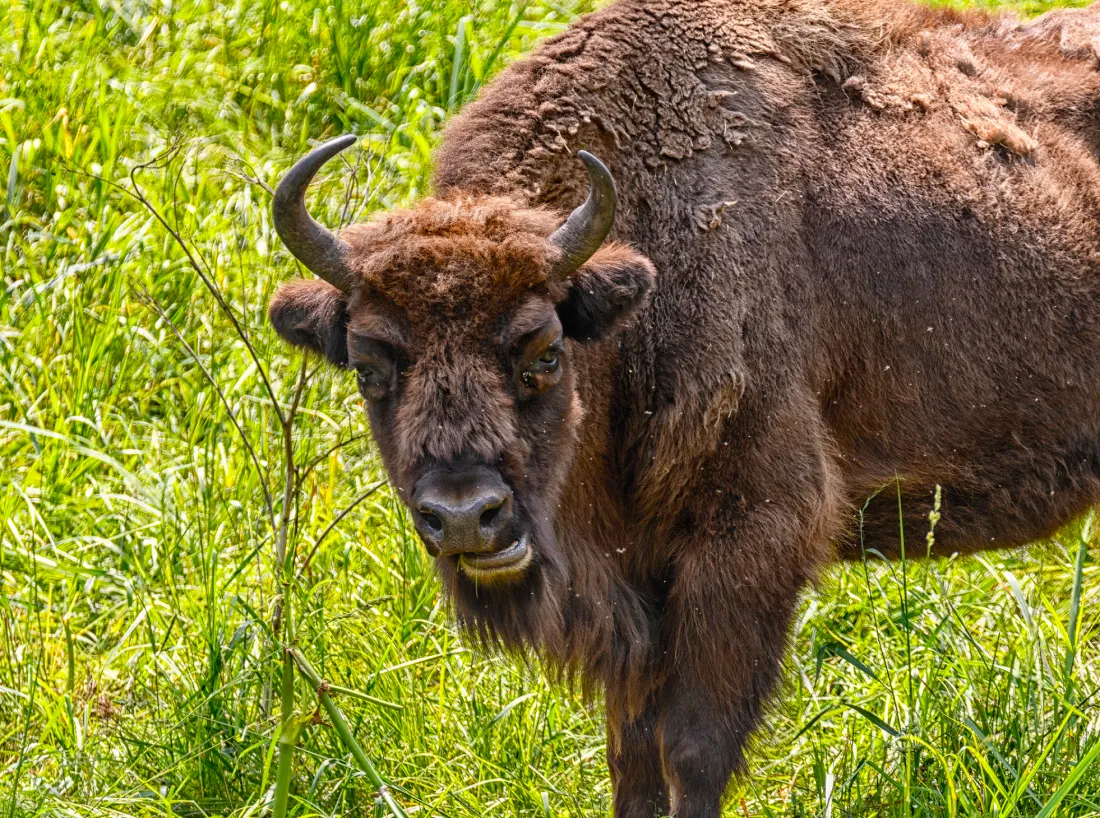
<point>457,257</point>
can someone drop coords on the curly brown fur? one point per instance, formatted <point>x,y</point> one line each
<point>875,234</point>
<point>426,260</point>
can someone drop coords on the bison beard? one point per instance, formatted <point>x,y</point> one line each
<point>874,228</point>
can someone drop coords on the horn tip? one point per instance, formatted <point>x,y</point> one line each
<point>602,180</point>
<point>329,149</point>
<point>326,150</point>
<point>594,165</point>
<point>345,141</point>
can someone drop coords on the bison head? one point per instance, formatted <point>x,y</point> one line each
<point>460,319</point>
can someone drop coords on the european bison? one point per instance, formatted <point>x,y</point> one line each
<point>854,245</point>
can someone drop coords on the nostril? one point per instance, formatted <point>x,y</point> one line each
<point>431,521</point>
<point>496,512</point>
<point>488,517</point>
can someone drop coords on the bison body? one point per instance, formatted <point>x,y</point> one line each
<point>855,256</point>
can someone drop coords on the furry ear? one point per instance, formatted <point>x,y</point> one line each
<point>604,291</point>
<point>312,314</point>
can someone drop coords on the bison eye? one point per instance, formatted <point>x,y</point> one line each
<point>375,364</point>
<point>374,383</point>
<point>543,373</point>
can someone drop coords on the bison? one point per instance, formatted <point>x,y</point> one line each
<point>822,247</point>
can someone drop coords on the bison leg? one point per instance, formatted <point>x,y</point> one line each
<point>736,586</point>
<point>710,710</point>
<point>634,759</point>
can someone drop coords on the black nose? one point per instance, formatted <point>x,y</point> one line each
<point>462,511</point>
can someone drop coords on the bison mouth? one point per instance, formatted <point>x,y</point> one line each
<point>506,565</point>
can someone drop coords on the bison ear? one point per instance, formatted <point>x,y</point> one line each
<point>605,291</point>
<point>312,314</point>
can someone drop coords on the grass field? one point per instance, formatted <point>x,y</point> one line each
<point>143,478</point>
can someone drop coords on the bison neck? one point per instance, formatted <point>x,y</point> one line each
<point>617,572</point>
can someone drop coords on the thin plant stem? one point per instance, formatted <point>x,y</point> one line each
<point>329,451</point>
<point>336,521</point>
<point>281,622</point>
<point>281,619</point>
<point>146,297</point>
<point>290,486</point>
<point>287,738</point>
<point>340,724</point>
<point>355,694</point>
<point>159,162</point>
<point>908,803</point>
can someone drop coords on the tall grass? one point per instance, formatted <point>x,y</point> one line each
<point>142,467</point>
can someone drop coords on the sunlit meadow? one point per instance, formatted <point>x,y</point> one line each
<point>145,412</point>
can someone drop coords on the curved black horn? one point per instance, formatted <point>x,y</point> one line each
<point>588,225</point>
<point>313,245</point>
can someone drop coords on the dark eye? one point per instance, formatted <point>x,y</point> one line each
<point>542,373</point>
<point>375,364</point>
<point>374,382</point>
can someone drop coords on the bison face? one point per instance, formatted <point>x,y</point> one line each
<point>476,422</point>
<point>461,320</point>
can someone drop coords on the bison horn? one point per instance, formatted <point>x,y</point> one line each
<point>313,245</point>
<point>588,225</point>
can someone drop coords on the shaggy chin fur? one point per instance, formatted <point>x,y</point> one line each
<point>876,231</point>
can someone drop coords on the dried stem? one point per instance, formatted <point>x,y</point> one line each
<point>335,522</point>
<point>328,452</point>
<point>160,162</point>
<point>148,298</point>
<point>281,620</point>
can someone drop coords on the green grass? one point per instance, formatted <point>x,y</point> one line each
<point>137,668</point>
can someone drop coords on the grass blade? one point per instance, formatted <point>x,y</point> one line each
<point>1079,769</point>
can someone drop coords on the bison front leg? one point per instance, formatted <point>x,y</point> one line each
<point>736,587</point>
<point>711,705</point>
<point>634,759</point>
